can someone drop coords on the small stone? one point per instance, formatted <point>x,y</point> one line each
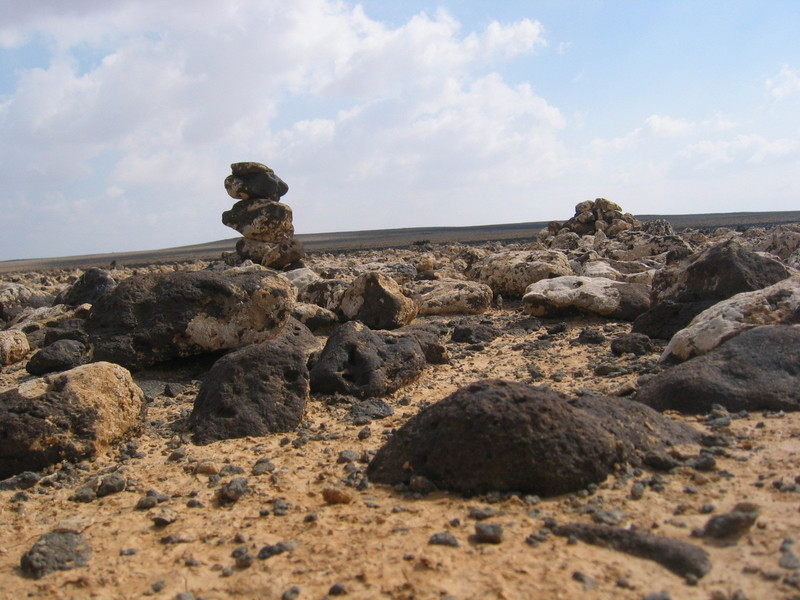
<point>206,467</point>
<point>262,466</point>
<point>658,596</point>
<point>336,496</point>
<point>55,552</point>
<point>364,433</point>
<point>291,594</point>
<point>146,502</point>
<point>164,517</point>
<point>488,533</point>
<point>111,484</point>
<point>480,514</point>
<point>244,561</point>
<point>443,539</point>
<point>347,456</point>
<point>85,495</point>
<point>273,550</point>
<point>128,551</point>
<point>233,490</point>
<point>587,581</point>
<point>337,589</point>
<point>177,454</point>
<point>158,586</point>
<point>789,561</point>
<point>732,524</point>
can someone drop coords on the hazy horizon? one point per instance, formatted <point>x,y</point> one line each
<point>119,120</point>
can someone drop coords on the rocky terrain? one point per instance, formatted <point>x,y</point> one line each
<point>606,410</point>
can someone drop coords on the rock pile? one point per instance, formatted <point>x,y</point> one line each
<point>598,215</point>
<point>264,221</point>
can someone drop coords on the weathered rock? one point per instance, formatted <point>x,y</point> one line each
<point>636,244</point>
<point>30,320</point>
<point>666,318</point>
<point>261,220</point>
<point>13,346</point>
<point>378,302</point>
<point>510,272</point>
<point>682,558</point>
<point>498,436</point>
<point>14,297</point>
<point>562,295</point>
<point>157,317</point>
<point>756,370</point>
<point>429,336</point>
<point>362,363</point>
<point>55,551</point>
<point>88,289</point>
<point>319,320</point>
<point>716,273</point>
<point>270,254</point>
<point>633,343</point>
<point>450,296</point>
<point>257,390</point>
<point>326,293</point>
<point>70,415</point>
<point>781,240</point>
<point>470,331</point>
<point>254,180</point>
<point>733,524</point>
<point>71,329</point>
<point>640,431</point>
<point>58,356</point>
<point>301,278</point>
<point>618,270</point>
<point>773,305</point>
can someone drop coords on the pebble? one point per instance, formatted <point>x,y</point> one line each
<point>146,502</point>
<point>291,594</point>
<point>587,581</point>
<point>337,589</point>
<point>488,533</point>
<point>734,523</point>
<point>111,484</point>
<point>269,551</point>
<point>336,496</point>
<point>164,517</point>
<point>262,466</point>
<point>233,490</point>
<point>347,456</point>
<point>480,514</point>
<point>443,538</point>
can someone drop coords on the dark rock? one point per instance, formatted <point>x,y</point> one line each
<point>756,370</point>
<point>498,436</point>
<point>633,343</point>
<point>111,484</point>
<point>590,336</point>
<point>58,356</point>
<point>72,329</point>
<point>666,318</point>
<point>362,363</point>
<point>443,538</point>
<point>161,316</point>
<point>254,391</point>
<point>682,558</point>
<point>488,533</point>
<point>274,549</point>
<point>233,490</point>
<point>472,332</point>
<point>378,302</point>
<point>732,524</point>
<point>639,430</point>
<point>260,219</point>
<point>368,410</point>
<point>90,287</point>
<point>429,336</point>
<point>254,181</point>
<point>55,552</point>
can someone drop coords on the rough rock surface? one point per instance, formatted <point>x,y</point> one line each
<point>378,302</point>
<point>510,272</point>
<point>55,551</point>
<point>450,297</point>
<point>61,355</point>
<point>756,370</point>
<point>13,346</point>
<point>596,215</point>
<point>497,435</point>
<point>157,317</point>
<point>88,289</point>
<point>606,297</point>
<point>255,391</point>
<point>261,220</point>
<point>71,415</point>
<point>776,304</point>
<point>254,180</point>
<point>363,363</point>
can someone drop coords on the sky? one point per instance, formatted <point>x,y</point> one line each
<point>119,120</point>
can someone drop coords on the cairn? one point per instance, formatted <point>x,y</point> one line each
<point>264,221</point>
<point>592,216</point>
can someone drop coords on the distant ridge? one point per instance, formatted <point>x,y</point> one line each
<point>384,238</point>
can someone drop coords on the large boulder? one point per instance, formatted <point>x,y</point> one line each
<point>362,363</point>
<point>510,272</point>
<point>781,240</point>
<point>756,370</point>
<point>161,316</point>
<point>497,435</point>
<point>255,391</point>
<point>596,295</point>
<point>773,305</point>
<point>450,296</point>
<point>378,302</point>
<point>68,416</point>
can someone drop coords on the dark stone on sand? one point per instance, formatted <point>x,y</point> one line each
<point>667,318</point>
<point>89,288</point>
<point>58,356</point>
<point>55,551</point>
<point>496,435</point>
<point>682,558</point>
<point>755,370</point>
<point>471,332</point>
<point>632,343</point>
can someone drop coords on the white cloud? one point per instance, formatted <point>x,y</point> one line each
<point>785,84</point>
<point>750,148</point>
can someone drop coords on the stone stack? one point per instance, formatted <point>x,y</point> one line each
<point>593,216</point>
<point>265,223</point>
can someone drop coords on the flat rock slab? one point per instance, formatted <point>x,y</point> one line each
<point>682,558</point>
<point>55,551</point>
<point>596,295</point>
<point>152,318</point>
<point>756,370</point>
<point>496,435</point>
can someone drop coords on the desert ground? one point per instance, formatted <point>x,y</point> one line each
<point>304,530</point>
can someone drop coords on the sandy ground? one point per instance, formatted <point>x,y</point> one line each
<point>376,545</point>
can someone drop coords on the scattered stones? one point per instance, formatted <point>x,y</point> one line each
<point>55,552</point>
<point>595,215</point>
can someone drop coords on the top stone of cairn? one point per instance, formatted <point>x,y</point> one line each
<point>254,180</point>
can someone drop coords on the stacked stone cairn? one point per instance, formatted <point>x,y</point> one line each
<point>265,223</point>
<point>593,216</point>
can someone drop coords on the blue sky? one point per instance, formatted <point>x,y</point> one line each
<point>118,120</point>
